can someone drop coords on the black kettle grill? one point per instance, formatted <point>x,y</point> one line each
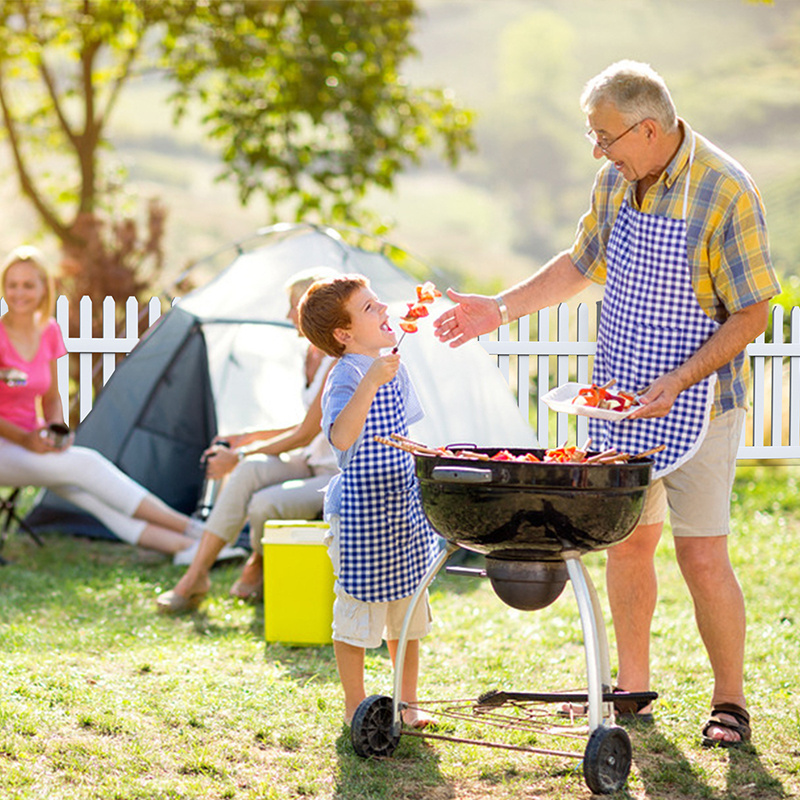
<point>532,521</point>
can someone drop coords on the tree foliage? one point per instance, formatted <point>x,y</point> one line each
<point>304,100</point>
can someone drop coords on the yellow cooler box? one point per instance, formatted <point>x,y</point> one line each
<point>298,583</point>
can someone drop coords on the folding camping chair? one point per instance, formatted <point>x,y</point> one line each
<point>8,507</point>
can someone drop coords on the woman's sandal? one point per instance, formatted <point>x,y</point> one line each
<point>253,592</point>
<point>173,603</point>
<point>740,726</point>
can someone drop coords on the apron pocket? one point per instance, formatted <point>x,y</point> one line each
<point>396,508</point>
<point>657,350</point>
<point>401,518</point>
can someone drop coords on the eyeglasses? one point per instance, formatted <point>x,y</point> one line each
<point>606,146</point>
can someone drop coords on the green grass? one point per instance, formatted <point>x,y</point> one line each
<point>100,697</point>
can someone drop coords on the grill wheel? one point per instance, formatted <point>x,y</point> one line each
<point>371,728</point>
<point>607,760</point>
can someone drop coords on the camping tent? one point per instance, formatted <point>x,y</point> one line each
<point>225,358</point>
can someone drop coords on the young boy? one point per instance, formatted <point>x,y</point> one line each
<point>381,542</point>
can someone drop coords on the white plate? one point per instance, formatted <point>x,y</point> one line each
<point>560,399</point>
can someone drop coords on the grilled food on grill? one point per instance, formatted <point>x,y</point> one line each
<point>565,454</point>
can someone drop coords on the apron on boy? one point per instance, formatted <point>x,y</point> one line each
<point>385,539</point>
<point>650,323</point>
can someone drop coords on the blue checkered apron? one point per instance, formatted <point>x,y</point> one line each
<point>650,323</point>
<point>385,539</point>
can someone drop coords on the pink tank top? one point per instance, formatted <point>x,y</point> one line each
<point>18,403</point>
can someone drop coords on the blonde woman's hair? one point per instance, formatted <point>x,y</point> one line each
<point>28,254</point>
<point>296,286</point>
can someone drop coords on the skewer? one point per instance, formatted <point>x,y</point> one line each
<point>579,456</point>
<point>397,346</point>
<point>473,455</point>
<point>601,456</point>
<point>399,445</point>
<point>650,452</point>
<point>401,438</point>
<point>444,451</point>
<point>408,448</point>
<point>412,447</point>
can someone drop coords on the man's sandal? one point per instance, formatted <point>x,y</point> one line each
<point>740,726</point>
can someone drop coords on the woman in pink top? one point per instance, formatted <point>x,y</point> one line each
<point>30,343</point>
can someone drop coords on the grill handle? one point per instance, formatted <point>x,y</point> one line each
<point>461,475</point>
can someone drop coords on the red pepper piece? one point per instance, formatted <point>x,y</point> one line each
<point>415,311</point>
<point>427,292</point>
<point>591,395</point>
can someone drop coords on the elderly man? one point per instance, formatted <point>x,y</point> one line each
<point>676,232</point>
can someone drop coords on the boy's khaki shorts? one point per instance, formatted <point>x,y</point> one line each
<point>698,494</point>
<point>367,624</point>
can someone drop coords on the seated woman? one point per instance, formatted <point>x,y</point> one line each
<point>274,474</point>
<point>30,342</point>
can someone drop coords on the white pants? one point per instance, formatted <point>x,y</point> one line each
<point>261,488</point>
<point>366,625</point>
<point>82,476</point>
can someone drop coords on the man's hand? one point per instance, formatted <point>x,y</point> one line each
<point>472,315</point>
<point>730,339</point>
<point>659,398</point>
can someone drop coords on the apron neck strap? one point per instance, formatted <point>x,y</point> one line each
<point>688,178</point>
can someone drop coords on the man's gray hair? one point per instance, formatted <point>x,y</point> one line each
<point>636,90</point>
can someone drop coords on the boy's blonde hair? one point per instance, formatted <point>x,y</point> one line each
<point>27,254</point>
<point>322,311</point>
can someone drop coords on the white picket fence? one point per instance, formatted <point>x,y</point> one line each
<point>772,430</point>
<point>535,364</point>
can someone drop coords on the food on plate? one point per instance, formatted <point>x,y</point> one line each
<point>426,294</point>
<point>601,397</point>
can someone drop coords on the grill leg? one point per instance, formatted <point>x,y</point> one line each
<point>400,658</point>
<point>598,668</point>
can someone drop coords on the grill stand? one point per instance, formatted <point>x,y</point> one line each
<point>598,667</point>
<point>400,657</point>
<point>595,642</point>
<point>377,724</point>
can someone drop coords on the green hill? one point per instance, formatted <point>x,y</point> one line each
<point>733,66</point>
